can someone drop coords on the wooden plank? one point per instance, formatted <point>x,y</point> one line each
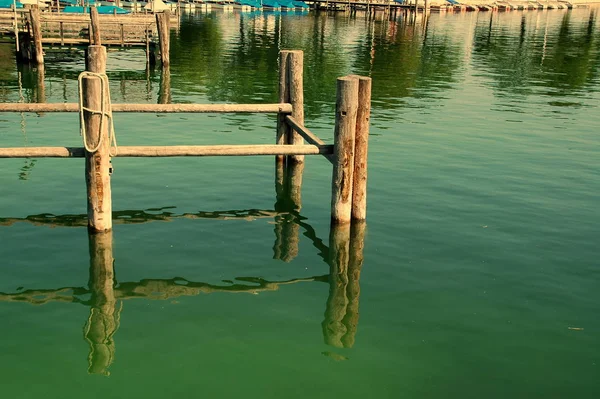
<point>307,134</point>
<point>153,108</point>
<point>171,151</point>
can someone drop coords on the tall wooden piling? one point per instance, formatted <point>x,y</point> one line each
<point>295,66</point>
<point>36,30</point>
<point>361,146</point>
<point>104,317</point>
<point>162,22</point>
<point>95,27</point>
<point>97,163</point>
<point>343,152</point>
<point>282,126</point>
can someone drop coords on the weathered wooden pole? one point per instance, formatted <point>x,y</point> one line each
<point>95,27</point>
<point>104,317</point>
<point>295,67</point>
<point>361,146</point>
<point>162,23</point>
<point>283,128</point>
<point>36,28</point>
<point>95,125</point>
<point>343,152</point>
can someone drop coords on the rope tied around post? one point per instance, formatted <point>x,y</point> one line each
<point>103,112</point>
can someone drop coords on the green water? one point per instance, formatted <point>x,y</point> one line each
<point>481,261</point>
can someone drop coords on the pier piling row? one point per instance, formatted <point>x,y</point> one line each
<point>348,154</point>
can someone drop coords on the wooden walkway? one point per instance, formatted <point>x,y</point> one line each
<point>73,30</point>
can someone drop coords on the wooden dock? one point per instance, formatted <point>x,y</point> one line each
<point>63,30</point>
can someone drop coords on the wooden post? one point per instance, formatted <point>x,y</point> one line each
<point>162,23</point>
<point>62,34</point>
<point>16,27</point>
<point>95,26</point>
<point>36,27</point>
<point>295,66</point>
<point>104,317</point>
<point>361,146</point>
<point>343,152</point>
<point>97,164</point>
<point>284,97</point>
<point>122,35</point>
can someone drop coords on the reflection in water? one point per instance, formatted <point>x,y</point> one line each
<point>164,95</point>
<point>344,256</point>
<point>104,312</point>
<point>346,244</point>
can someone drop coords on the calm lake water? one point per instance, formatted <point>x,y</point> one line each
<point>481,264</point>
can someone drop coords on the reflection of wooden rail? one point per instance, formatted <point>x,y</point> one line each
<point>106,297</point>
<point>156,289</point>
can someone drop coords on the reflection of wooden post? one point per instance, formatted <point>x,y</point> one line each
<point>162,23</point>
<point>357,244</point>
<point>97,163</point>
<point>104,316</point>
<point>164,94</point>
<point>361,146</point>
<point>339,249</point>
<point>343,166</point>
<point>287,230</point>
<point>36,27</point>
<point>346,245</point>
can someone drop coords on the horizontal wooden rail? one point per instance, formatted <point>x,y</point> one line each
<point>171,151</point>
<point>307,134</point>
<point>284,108</point>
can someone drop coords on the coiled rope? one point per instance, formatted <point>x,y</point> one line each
<point>105,113</point>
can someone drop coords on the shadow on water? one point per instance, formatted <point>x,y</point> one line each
<point>105,296</point>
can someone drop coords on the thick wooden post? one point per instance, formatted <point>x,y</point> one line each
<point>361,147</point>
<point>162,23</point>
<point>103,321</point>
<point>97,164</point>
<point>295,67</point>
<point>95,27</point>
<point>36,27</point>
<point>282,127</point>
<point>343,166</point>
